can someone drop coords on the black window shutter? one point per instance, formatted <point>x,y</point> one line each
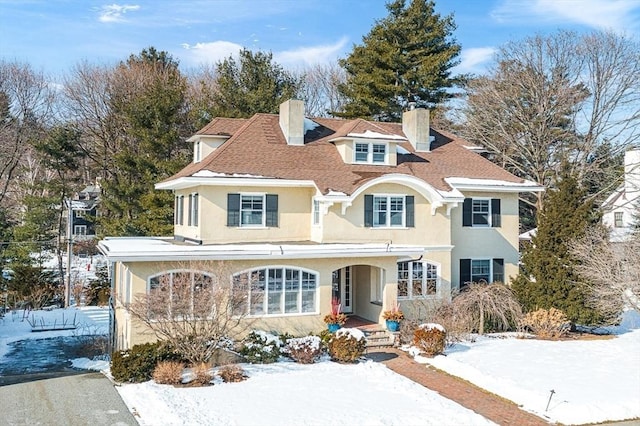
<point>495,213</point>
<point>368,211</point>
<point>410,219</point>
<point>466,212</point>
<point>272,210</point>
<point>498,270</point>
<point>465,272</point>
<point>233,209</point>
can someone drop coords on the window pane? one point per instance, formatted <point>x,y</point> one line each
<point>251,207</point>
<point>257,292</point>
<point>379,211</point>
<point>308,292</point>
<point>362,151</point>
<point>431,278</point>
<point>480,209</point>
<point>416,279</point>
<point>480,271</point>
<point>378,153</point>
<point>403,279</point>
<point>396,211</point>
<point>275,287</point>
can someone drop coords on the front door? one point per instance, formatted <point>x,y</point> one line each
<point>342,288</point>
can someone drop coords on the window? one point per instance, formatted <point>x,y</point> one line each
<point>197,153</point>
<point>252,210</point>
<point>193,209</point>
<point>384,211</point>
<point>184,292</point>
<point>79,229</point>
<point>316,212</point>
<point>179,210</point>
<point>362,152</point>
<point>275,291</point>
<point>481,271</point>
<point>417,279</point>
<point>79,213</point>
<point>617,218</point>
<point>372,153</point>
<point>481,212</point>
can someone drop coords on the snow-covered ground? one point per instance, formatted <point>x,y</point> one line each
<point>593,381</point>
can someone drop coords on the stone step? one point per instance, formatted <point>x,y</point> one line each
<point>377,338</point>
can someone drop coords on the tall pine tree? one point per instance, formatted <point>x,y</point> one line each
<point>148,104</point>
<point>406,58</point>
<point>548,278</point>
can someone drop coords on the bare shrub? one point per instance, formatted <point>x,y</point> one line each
<point>430,339</point>
<point>486,306</point>
<point>202,374</point>
<point>232,373</point>
<point>194,311</point>
<point>168,373</point>
<point>548,323</point>
<point>304,350</point>
<point>611,271</point>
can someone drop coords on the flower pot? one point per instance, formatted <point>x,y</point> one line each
<point>333,327</point>
<point>393,325</point>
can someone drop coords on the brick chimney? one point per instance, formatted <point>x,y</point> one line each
<point>415,125</point>
<point>292,121</point>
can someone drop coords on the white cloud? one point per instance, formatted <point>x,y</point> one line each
<point>210,53</point>
<point>601,14</point>
<point>473,59</point>
<point>310,55</point>
<point>115,12</point>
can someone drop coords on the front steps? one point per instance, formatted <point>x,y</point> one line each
<point>380,337</point>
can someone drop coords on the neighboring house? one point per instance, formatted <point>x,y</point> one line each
<point>621,211</point>
<point>366,212</point>
<point>83,212</point>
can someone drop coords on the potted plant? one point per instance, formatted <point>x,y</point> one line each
<point>393,317</point>
<point>335,319</point>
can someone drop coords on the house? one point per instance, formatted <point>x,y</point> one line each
<point>83,212</point>
<point>370,213</point>
<point>621,210</point>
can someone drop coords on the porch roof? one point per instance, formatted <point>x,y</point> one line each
<point>149,249</point>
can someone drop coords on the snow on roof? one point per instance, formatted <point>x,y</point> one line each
<point>470,183</point>
<point>166,248</point>
<point>368,134</point>
<point>208,173</point>
<point>400,150</point>
<point>309,125</point>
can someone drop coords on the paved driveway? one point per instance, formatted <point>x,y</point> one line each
<point>79,400</point>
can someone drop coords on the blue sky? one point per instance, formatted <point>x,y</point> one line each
<point>55,35</point>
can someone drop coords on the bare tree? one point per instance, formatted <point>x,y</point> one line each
<point>611,270</point>
<point>320,89</point>
<point>195,312</point>
<point>549,100</point>
<point>26,107</point>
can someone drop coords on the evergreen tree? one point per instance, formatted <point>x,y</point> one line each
<point>406,57</point>
<point>148,104</point>
<point>252,85</point>
<point>548,277</point>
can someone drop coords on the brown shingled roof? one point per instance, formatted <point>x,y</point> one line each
<point>257,147</point>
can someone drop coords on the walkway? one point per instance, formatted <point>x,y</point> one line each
<point>493,407</point>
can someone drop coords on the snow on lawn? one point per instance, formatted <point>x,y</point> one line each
<point>286,393</point>
<point>593,380</point>
<point>16,325</point>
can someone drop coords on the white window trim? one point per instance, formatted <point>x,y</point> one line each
<point>490,260</point>
<point>79,214</point>
<point>490,213</point>
<point>78,227</point>
<point>263,223</point>
<point>410,295</point>
<point>316,212</point>
<point>370,146</point>
<point>618,223</point>
<point>316,310</point>
<point>388,224</point>
<point>197,151</point>
<point>194,211</point>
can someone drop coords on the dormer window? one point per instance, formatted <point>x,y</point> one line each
<point>197,152</point>
<point>371,153</point>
